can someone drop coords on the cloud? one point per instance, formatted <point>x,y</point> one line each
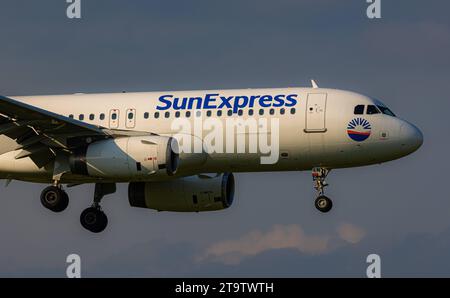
<point>256,242</point>
<point>162,258</point>
<point>350,233</point>
<point>280,237</point>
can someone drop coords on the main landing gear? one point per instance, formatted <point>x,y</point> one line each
<point>93,218</point>
<point>322,202</point>
<point>54,198</point>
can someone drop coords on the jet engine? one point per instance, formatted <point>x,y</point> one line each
<point>189,194</point>
<point>129,158</point>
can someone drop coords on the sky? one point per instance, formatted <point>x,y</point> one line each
<point>398,210</point>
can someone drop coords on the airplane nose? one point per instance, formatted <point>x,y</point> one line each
<point>411,137</point>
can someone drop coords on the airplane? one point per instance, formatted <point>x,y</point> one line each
<point>135,138</point>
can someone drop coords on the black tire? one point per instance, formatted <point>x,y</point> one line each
<point>94,220</point>
<point>323,204</point>
<point>54,199</point>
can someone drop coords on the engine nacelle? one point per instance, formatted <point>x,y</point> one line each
<point>189,194</point>
<point>130,158</point>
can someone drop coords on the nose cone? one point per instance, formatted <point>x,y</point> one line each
<point>411,138</point>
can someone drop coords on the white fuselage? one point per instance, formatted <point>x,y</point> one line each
<point>316,127</point>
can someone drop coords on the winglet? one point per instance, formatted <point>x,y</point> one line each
<point>314,84</point>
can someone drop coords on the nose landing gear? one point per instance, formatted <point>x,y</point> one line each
<point>322,202</point>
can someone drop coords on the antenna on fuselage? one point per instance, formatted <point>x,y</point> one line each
<point>314,84</point>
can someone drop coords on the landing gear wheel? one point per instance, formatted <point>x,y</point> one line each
<point>54,199</point>
<point>323,204</point>
<point>94,220</point>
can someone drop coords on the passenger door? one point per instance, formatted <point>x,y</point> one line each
<point>131,118</point>
<point>316,112</point>
<point>114,118</point>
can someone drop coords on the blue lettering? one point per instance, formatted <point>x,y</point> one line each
<point>252,100</point>
<point>210,101</point>
<point>265,101</point>
<point>238,105</point>
<point>292,99</point>
<point>199,102</point>
<point>164,100</point>
<point>181,106</point>
<point>225,102</point>
<point>209,98</point>
<point>279,101</point>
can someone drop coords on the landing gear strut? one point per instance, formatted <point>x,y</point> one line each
<point>54,198</point>
<point>93,218</point>
<point>322,202</point>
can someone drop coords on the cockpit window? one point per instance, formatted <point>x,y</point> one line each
<point>371,109</point>
<point>359,110</point>
<point>386,111</point>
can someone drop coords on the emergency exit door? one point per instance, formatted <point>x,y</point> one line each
<point>315,112</point>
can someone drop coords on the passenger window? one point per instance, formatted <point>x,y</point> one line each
<point>261,112</point>
<point>81,117</point>
<point>282,110</point>
<point>156,115</point>
<point>188,114</point>
<point>230,112</point>
<point>293,111</point>
<point>371,109</point>
<point>102,116</point>
<point>177,114</point>
<point>250,112</point>
<point>219,113</point>
<point>198,113</point>
<point>167,114</point>
<point>146,115</point>
<point>359,110</point>
<point>130,116</point>
<point>91,117</point>
<point>240,112</point>
<point>208,113</point>
<point>113,116</point>
<point>71,116</point>
<point>271,111</point>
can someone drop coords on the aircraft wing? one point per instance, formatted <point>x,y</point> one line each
<point>40,133</point>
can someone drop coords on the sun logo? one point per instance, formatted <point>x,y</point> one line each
<point>359,129</point>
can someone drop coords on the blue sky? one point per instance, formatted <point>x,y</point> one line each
<point>398,210</point>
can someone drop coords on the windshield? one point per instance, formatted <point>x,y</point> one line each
<point>386,110</point>
<point>383,109</point>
